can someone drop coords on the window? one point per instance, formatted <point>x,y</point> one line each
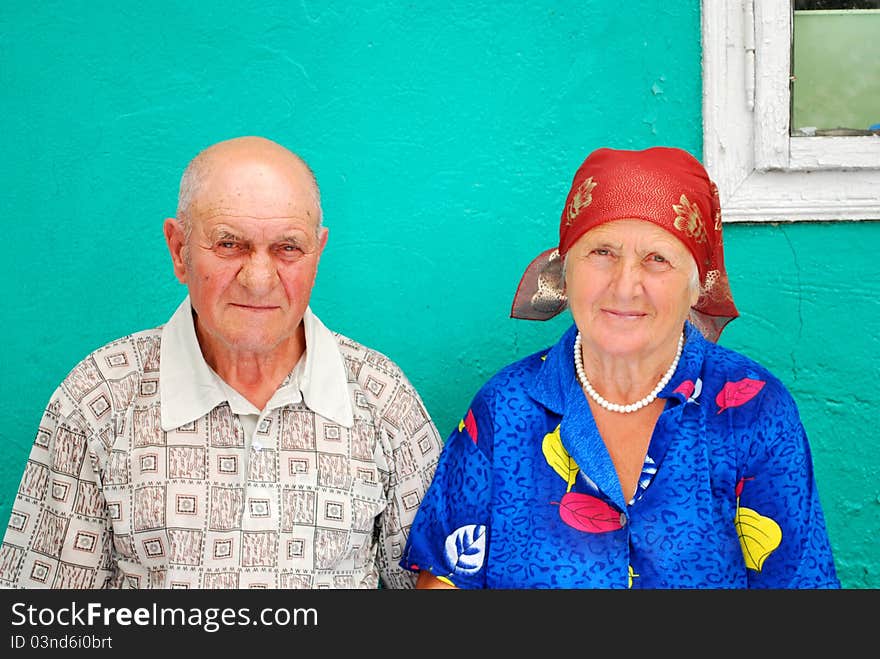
<point>763,173</point>
<point>835,62</point>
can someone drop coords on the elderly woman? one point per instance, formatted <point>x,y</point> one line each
<point>635,452</point>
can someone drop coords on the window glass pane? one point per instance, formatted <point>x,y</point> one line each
<point>835,68</point>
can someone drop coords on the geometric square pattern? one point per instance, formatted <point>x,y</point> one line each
<point>149,387</point>
<point>297,466</point>
<point>334,510</point>
<point>227,464</point>
<point>110,498</point>
<point>186,504</point>
<point>295,548</point>
<point>18,521</point>
<point>258,507</point>
<point>149,463</point>
<point>223,549</point>
<point>411,500</point>
<point>60,490</point>
<point>153,547</point>
<point>84,541</point>
<point>40,571</point>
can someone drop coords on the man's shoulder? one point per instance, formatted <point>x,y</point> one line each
<point>116,359</point>
<point>110,376</point>
<point>140,340</point>
<point>357,355</point>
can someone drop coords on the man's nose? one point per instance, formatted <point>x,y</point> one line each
<point>258,273</point>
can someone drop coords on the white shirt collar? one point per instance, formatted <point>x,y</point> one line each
<point>189,389</point>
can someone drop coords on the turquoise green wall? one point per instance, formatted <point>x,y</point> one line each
<point>444,136</point>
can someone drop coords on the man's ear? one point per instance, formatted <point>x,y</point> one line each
<point>175,237</point>
<point>322,240</point>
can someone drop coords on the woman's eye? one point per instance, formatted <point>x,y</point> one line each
<point>658,262</point>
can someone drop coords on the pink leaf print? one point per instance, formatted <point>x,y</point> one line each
<point>686,388</point>
<point>734,394</point>
<point>470,425</point>
<point>585,512</point>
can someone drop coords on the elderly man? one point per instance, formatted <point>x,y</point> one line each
<point>240,445</point>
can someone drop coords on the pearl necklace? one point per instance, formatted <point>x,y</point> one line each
<point>615,407</point>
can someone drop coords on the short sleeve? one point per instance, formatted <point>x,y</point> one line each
<point>59,533</point>
<point>450,535</point>
<point>412,447</point>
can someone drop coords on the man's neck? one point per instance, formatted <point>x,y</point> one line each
<point>256,383</point>
<point>255,375</point>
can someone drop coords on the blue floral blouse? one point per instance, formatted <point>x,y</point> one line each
<point>525,494</point>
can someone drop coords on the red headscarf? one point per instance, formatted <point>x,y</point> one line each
<point>663,185</point>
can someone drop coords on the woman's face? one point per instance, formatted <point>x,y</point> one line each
<point>629,286</point>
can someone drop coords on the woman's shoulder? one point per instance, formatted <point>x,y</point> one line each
<point>733,368</point>
<point>731,360</point>
<point>517,372</point>
<point>516,377</point>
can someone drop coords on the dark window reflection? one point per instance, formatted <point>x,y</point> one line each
<point>805,5</point>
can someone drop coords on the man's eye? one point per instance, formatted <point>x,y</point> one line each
<point>658,259</point>
<point>602,251</point>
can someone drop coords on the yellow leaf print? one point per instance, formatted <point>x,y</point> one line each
<point>630,573</point>
<point>759,536</point>
<point>445,580</point>
<point>558,458</point>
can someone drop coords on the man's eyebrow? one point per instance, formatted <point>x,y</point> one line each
<point>222,233</point>
<point>293,238</point>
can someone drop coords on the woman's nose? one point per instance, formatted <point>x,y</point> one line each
<point>627,280</point>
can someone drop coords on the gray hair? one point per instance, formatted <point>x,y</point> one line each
<point>193,179</point>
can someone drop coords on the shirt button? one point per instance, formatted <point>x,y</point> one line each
<point>622,520</point>
<point>257,445</point>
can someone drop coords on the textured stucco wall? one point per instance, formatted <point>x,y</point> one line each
<point>444,136</point>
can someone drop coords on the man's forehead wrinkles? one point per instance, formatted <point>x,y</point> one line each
<point>237,213</point>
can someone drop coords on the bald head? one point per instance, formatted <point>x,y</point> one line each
<point>227,177</point>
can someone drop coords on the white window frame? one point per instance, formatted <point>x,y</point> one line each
<point>762,173</point>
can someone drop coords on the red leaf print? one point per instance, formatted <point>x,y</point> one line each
<point>734,394</point>
<point>686,388</point>
<point>470,425</point>
<point>739,486</point>
<point>585,512</point>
